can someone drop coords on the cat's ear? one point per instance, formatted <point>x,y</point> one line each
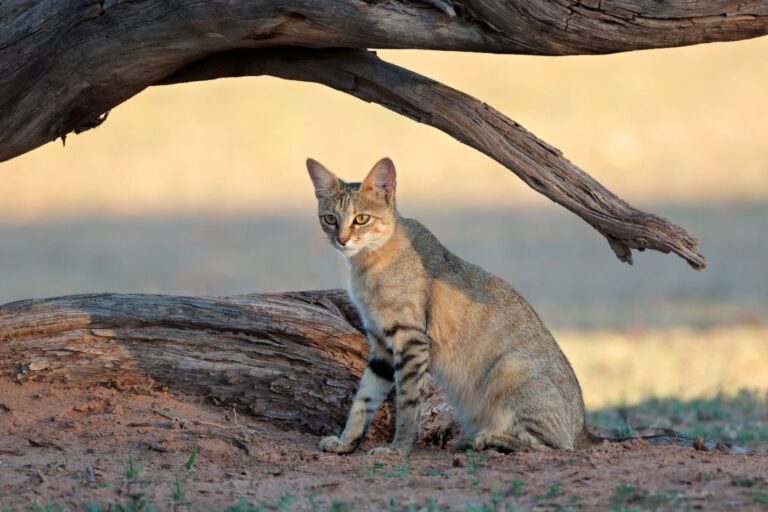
<point>325,181</point>
<point>381,180</point>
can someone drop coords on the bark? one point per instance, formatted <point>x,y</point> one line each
<point>292,359</point>
<point>65,64</point>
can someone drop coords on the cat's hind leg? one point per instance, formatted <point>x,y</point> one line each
<point>516,410</point>
<point>500,441</point>
<point>376,383</point>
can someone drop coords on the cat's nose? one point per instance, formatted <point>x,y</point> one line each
<point>343,241</point>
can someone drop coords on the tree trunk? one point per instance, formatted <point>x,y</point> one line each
<point>64,65</point>
<point>292,359</point>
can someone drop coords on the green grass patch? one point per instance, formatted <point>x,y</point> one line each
<point>629,497</point>
<point>741,418</point>
<point>190,464</point>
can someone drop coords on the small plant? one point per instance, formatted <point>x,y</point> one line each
<point>625,495</point>
<point>433,506</point>
<point>373,469</point>
<point>177,492</point>
<point>625,432</point>
<point>244,506</point>
<point>137,502</point>
<point>435,472</point>
<point>760,498</point>
<point>474,459</point>
<point>496,499</point>
<point>191,460</point>
<point>131,468</point>
<point>400,471</point>
<point>479,507</point>
<point>376,469</point>
<point>516,488</point>
<point>313,502</point>
<point>48,507</point>
<point>283,502</point>
<point>341,506</point>
<point>553,491</point>
<point>743,482</point>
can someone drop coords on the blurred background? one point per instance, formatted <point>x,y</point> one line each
<point>201,189</point>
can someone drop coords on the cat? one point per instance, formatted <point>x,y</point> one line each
<point>426,310</point>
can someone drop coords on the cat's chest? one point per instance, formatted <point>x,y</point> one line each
<point>377,300</point>
<point>365,303</point>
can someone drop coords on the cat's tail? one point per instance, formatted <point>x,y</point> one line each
<point>656,436</point>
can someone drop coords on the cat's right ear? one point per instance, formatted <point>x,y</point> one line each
<point>325,181</point>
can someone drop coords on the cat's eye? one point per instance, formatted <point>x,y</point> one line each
<point>329,219</point>
<point>362,219</point>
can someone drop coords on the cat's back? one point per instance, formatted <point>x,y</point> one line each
<point>467,304</point>
<point>462,282</point>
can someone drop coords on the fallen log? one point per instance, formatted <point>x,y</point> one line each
<point>291,359</point>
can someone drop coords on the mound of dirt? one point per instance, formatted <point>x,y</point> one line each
<point>142,449</point>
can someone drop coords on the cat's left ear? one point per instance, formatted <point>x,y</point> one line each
<point>381,180</point>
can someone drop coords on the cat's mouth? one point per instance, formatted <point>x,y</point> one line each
<point>348,249</point>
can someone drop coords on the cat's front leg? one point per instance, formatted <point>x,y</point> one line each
<point>375,385</point>
<point>411,351</point>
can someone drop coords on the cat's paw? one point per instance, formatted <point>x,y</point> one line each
<point>334,444</point>
<point>393,449</point>
<point>381,451</point>
<point>487,441</point>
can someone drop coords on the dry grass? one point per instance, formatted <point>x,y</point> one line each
<point>683,125</point>
<point>628,367</point>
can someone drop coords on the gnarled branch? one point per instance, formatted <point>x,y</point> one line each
<point>64,64</point>
<point>362,74</point>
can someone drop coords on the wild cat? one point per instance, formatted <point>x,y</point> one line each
<point>427,310</point>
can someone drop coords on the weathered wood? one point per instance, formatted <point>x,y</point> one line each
<point>64,64</point>
<point>292,359</point>
<point>542,167</point>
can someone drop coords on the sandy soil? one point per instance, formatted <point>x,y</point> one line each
<point>71,447</point>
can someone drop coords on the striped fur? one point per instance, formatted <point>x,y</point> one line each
<point>426,310</point>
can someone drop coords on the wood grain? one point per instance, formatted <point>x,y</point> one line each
<point>293,359</point>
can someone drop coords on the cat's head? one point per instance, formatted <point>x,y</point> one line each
<point>356,217</point>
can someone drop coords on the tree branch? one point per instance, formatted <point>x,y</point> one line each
<point>542,167</point>
<point>63,64</point>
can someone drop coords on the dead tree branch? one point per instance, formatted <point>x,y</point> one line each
<point>64,64</point>
<point>542,167</point>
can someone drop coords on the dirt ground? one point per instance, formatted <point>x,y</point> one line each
<point>64,448</point>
